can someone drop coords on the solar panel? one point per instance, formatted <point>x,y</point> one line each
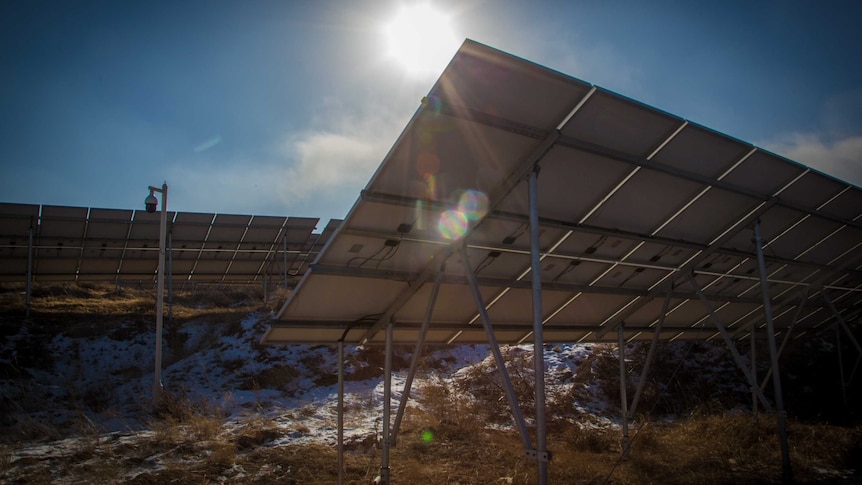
<point>633,204</point>
<point>61,238</point>
<point>81,244</point>
<point>16,221</point>
<point>105,240</point>
<point>140,258</point>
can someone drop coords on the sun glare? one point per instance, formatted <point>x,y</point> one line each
<point>420,39</point>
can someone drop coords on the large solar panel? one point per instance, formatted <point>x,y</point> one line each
<point>634,205</point>
<point>113,245</point>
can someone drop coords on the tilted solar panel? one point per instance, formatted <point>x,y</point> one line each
<point>634,205</point>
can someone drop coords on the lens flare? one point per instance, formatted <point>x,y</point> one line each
<point>453,224</point>
<point>473,204</point>
<point>427,436</point>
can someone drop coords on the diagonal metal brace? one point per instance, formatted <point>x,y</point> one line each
<point>735,353</point>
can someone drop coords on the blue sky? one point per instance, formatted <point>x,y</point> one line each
<point>287,108</point>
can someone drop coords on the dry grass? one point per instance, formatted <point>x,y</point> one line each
<point>447,441</point>
<point>458,434</point>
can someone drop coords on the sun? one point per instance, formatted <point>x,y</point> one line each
<point>420,39</point>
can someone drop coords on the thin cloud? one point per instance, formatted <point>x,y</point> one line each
<point>342,157</point>
<point>841,158</point>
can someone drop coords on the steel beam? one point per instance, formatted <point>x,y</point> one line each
<point>735,353</point>
<point>786,338</point>
<point>753,359</point>
<point>651,353</point>
<point>786,471</point>
<point>498,357</point>
<point>624,413</point>
<point>414,361</point>
<point>387,397</point>
<point>340,424</point>
<point>29,268</point>
<point>538,337</point>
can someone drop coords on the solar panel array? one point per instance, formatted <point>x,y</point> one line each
<point>634,204</point>
<point>121,246</point>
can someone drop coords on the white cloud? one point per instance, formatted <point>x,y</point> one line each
<point>841,158</point>
<point>343,156</point>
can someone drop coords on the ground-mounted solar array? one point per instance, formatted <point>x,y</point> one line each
<point>524,205</point>
<point>79,244</point>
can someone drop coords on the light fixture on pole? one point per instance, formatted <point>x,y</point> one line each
<point>151,203</point>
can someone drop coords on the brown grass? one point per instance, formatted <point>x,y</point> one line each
<point>191,445</point>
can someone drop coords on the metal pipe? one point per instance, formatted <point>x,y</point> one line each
<point>651,353</point>
<point>340,412</point>
<point>387,397</point>
<point>753,359</point>
<point>786,471</point>
<point>841,322</point>
<point>29,269</point>
<point>160,296</point>
<point>171,276</point>
<point>284,243</point>
<point>727,340</point>
<point>414,361</point>
<point>623,398</point>
<point>786,336</point>
<point>538,334</point>
<point>498,356</point>
<point>841,365</point>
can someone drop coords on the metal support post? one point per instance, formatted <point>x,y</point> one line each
<point>498,356</point>
<point>171,276</point>
<point>841,365</point>
<point>160,294</point>
<point>414,361</point>
<point>340,412</point>
<point>753,359</point>
<point>651,353</point>
<point>284,255</point>
<point>623,398</point>
<point>786,471</point>
<point>727,340</point>
<point>29,269</point>
<point>786,336</point>
<point>538,332</point>
<point>387,397</point>
<point>843,324</point>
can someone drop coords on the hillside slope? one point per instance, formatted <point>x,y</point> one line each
<point>76,407</point>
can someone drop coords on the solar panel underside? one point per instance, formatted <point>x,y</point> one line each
<point>16,221</point>
<point>81,244</point>
<point>634,204</point>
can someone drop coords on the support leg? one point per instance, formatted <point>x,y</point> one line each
<point>841,365</point>
<point>538,331</point>
<point>786,336</point>
<point>498,357</point>
<point>387,398</point>
<point>29,269</point>
<point>787,472</point>
<point>623,397</point>
<point>753,358</point>
<point>340,412</point>
<point>414,361</point>
<point>730,345</point>
<point>650,354</point>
